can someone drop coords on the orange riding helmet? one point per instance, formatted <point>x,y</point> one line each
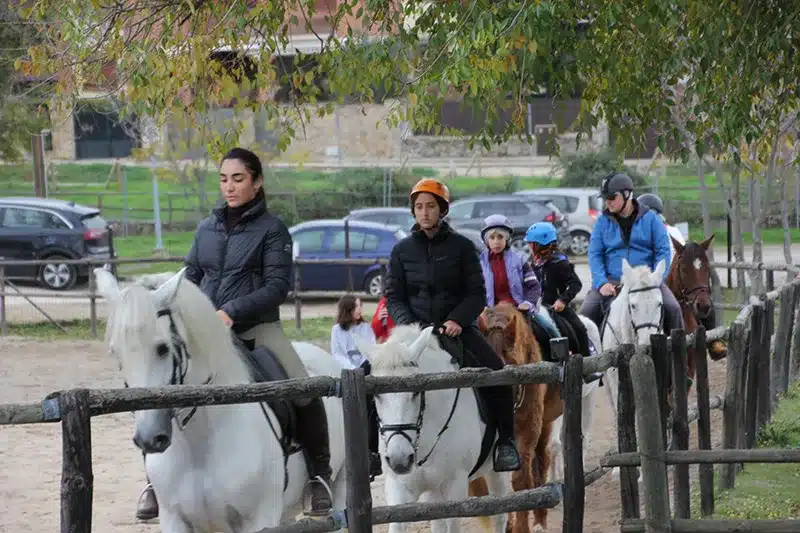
<point>434,187</point>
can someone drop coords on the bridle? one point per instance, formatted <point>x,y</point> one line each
<point>389,431</point>
<point>180,366</point>
<point>686,296</point>
<point>642,325</point>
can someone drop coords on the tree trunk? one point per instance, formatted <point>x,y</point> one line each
<point>754,193</point>
<point>705,209</point>
<point>787,233</point>
<point>735,212</point>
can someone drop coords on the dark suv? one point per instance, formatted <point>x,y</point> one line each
<point>41,228</point>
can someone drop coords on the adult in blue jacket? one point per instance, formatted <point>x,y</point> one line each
<point>626,229</point>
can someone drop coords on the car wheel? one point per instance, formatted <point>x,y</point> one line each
<point>372,285</point>
<point>58,276</point>
<point>580,243</point>
<point>519,245</point>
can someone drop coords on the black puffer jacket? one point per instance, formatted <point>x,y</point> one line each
<point>245,272</point>
<point>432,280</point>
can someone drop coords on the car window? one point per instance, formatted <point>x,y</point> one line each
<point>94,222</point>
<point>371,242</point>
<point>461,211</point>
<point>538,210</point>
<point>596,202</point>
<point>339,241</point>
<point>20,217</point>
<point>508,209</point>
<point>309,241</point>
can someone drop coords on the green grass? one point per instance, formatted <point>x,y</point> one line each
<point>769,491</point>
<point>772,236</point>
<point>313,329</point>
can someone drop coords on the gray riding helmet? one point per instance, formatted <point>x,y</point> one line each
<point>616,183</point>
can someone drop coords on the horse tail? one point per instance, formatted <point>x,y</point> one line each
<point>479,487</point>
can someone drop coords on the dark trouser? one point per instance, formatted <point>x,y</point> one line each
<point>579,342</point>
<point>542,337</point>
<point>595,306</point>
<point>372,415</point>
<point>500,399</point>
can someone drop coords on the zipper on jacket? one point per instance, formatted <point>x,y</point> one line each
<point>224,255</point>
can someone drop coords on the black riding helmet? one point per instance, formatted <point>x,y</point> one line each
<point>652,201</point>
<point>616,183</point>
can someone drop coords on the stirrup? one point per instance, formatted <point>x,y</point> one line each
<point>309,509</point>
<point>147,487</point>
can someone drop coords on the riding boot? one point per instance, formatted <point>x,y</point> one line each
<point>716,349</point>
<point>312,422</point>
<point>501,403</point>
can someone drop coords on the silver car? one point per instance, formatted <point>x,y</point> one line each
<point>582,207</point>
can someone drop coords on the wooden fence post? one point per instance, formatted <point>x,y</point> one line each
<point>659,352</point>
<point>574,490</point>
<point>706,470</point>
<point>751,374</point>
<point>764,403</point>
<point>626,433</point>
<point>680,424</point>
<point>791,310</point>
<point>298,305</point>
<point>77,479</point>
<point>651,444</point>
<point>781,357</point>
<point>795,364</point>
<point>734,393</point>
<point>359,498</point>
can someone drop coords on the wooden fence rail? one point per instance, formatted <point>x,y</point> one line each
<point>744,405</point>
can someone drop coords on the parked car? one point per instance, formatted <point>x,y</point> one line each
<point>326,239</point>
<point>41,228</point>
<point>401,216</point>
<point>582,207</point>
<point>469,213</point>
<point>395,216</point>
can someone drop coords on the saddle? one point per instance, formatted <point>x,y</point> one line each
<point>264,367</point>
<point>565,329</point>
<point>463,357</point>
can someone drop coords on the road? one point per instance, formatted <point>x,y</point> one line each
<point>67,307</point>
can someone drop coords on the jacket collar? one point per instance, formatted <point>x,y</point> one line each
<point>441,233</point>
<point>258,208</point>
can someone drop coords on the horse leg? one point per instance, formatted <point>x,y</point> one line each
<point>173,522</point>
<point>398,493</point>
<point>455,489</point>
<point>556,463</point>
<point>498,486</point>
<point>543,458</point>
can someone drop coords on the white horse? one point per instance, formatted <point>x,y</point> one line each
<point>430,441</point>
<point>587,403</point>
<point>216,468</point>
<point>635,314</point>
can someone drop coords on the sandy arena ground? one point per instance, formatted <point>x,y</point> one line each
<point>30,456</point>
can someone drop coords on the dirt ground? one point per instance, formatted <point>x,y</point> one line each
<point>30,456</point>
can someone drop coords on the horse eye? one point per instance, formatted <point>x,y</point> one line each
<point>162,350</point>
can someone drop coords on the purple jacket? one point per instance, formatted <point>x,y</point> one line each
<point>522,282</point>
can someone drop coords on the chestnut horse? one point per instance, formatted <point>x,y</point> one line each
<point>688,279</point>
<point>537,407</point>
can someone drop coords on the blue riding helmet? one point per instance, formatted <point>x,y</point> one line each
<point>496,221</point>
<point>542,233</point>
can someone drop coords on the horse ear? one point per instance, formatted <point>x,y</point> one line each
<point>422,342</point>
<point>627,271</point>
<point>107,285</point>
<point>167,291</point>
<point>678,246</point>
<point>660,268</point>
<point>706,243</point>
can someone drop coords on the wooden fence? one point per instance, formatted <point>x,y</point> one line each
<point>746,407</point>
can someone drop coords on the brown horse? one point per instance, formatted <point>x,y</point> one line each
<point>688,279</point>
<point>537,407</point>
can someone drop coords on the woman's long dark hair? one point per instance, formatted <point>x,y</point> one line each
<point>344,317</point>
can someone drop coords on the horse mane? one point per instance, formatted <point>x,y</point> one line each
<point>394,353</point>
<point>525,347</point>
<point>135,320</point>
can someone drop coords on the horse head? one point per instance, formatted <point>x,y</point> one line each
<point>149,333</point>
<point>641,294</point>
<point>508,332</point>
<point>408,351</point>
<point>690,275</point>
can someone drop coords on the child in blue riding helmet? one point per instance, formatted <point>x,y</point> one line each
<point>560,284</point>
